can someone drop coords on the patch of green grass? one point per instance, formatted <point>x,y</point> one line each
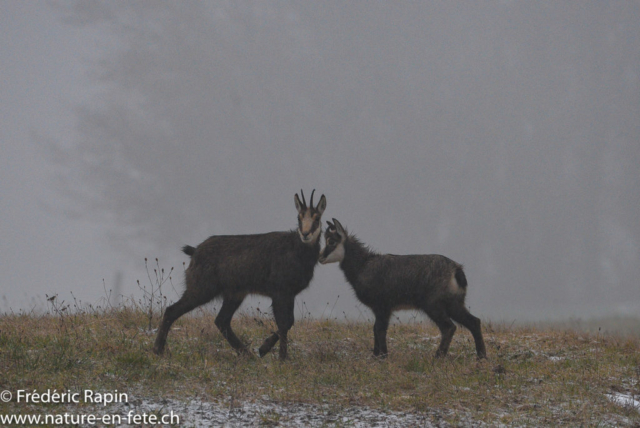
<point>532,376</point>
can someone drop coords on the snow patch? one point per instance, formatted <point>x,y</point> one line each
<point>624,400</point>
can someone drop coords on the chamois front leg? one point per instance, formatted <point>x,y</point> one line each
<point>283,313</point>
<point>380,333</point>
<point>268,343</point>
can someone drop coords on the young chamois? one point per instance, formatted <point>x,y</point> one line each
<point>278,265</point>
<point>386,282</point>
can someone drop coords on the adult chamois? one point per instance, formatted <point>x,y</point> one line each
<point>278,265</point>
<point>432,283</point>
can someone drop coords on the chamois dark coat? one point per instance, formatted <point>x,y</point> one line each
<point>432,283</point>
<point>278,265</point>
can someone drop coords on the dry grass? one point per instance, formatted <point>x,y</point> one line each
<point>533,377</point>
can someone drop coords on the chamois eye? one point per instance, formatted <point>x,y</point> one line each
<point>331,241</point>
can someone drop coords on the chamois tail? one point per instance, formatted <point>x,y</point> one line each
<point>461,279</point>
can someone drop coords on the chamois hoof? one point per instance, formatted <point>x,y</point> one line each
<point>268,344</point>
<point>244,352</point>
<point>380,355</point>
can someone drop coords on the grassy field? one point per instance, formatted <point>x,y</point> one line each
<point>533,376</point>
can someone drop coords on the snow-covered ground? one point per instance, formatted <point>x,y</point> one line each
<point>264,412</point>
<point>625,400</point>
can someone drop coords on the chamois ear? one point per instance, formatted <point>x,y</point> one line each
<point>299,206</point>
<point>322,205</point>
<point>339,228</point>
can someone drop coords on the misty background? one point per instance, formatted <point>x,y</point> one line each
<point>503,134</point>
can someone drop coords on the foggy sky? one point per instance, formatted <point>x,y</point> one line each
<point>504,135</point>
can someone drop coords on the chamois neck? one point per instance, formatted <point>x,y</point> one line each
<point>310,249</point>
<point>356,255</point>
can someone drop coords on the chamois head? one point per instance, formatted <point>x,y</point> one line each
<point>335,236</point>
<point>309,226</point>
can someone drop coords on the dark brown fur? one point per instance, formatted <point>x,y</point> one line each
<point>277,265</point>
<point>387,282</point>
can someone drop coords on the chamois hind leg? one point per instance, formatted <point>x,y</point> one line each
<point>380,332</point>
<point>223,321</point>
<point>447,328</point>
<point>461,315</point>
<point>187,302</point>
